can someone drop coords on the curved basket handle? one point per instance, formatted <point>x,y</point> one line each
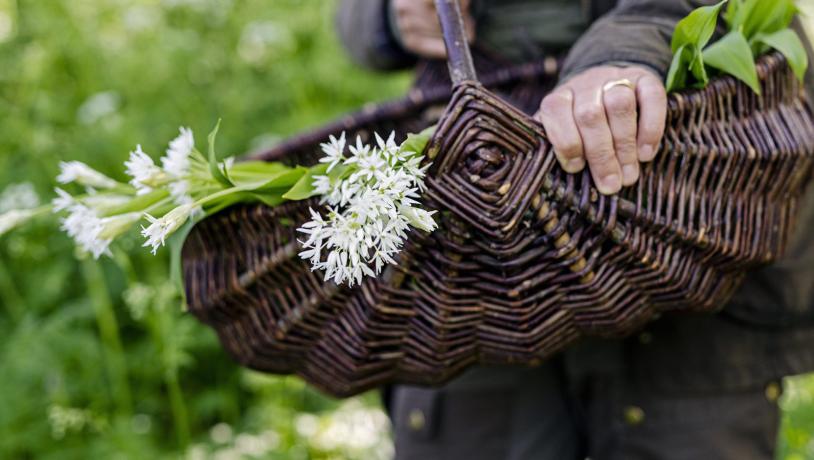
<point>459,58</point>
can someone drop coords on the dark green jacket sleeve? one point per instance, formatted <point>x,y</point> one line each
<point>364,29</point>
<point>635,31</point>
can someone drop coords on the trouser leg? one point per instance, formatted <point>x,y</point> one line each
<point>488,413</point>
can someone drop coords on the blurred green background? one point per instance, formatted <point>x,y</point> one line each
<point>97,360</point>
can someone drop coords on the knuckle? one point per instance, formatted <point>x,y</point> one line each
<point>553,103</point>
<point>600,157</point>
<point>589,114</point>
<point>569,149</point>
<point>620,102</point>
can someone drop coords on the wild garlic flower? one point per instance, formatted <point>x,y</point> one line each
<point>177,163</point>
<point>372,205</point>
<point>333,151</point>
<point>161,228</point>
<point>83,225</point>
<point>63,200</point>
<point>146,175</point>
<point>76,171</point>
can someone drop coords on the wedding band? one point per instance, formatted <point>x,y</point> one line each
<point>623,82</point>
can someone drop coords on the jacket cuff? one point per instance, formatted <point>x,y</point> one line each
<point>613,42</point>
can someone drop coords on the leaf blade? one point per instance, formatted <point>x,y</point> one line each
<point>790,45</point>
<point>732,55</point>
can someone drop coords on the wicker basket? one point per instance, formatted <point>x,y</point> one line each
<point>527,258</point>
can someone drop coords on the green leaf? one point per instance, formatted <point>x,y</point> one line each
<point>228,200</point>
<point>417,142</point>
<point>138,203</point>
<point>269,199</point>
<point>175,243</point>
<point>304,187</point>
<point>732,55</point>
<point>214,169</point>
<point>697,28</point>
<point>698,69</point>
<point>677,75</point>
<point>282,179</point>
<point>732,9</point>
<point>257,167</point>
<point>787,42</point>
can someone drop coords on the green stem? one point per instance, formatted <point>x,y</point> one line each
<point>115,360</point>
<point>11,297</point>
<point>161,328</point>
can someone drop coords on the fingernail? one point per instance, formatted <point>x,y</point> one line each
<point>646,153</point>
<point>630,173</point>
<point>610,184</point>
<point>574,165</point>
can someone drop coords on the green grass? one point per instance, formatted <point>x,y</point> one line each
<point>97,359</point>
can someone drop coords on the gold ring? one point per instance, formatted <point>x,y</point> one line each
<point>623,82</point>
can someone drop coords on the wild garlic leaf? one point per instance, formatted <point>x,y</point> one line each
<point>214,169</point>
<point>788,43</point>
<point>732,55</point>
<point>698,69</point>
<point>418,141</point>
<point>304,188</point>
<point>281,180</point>
<point>753,17</point>
<point>677,75</point>
<point>697,28</point>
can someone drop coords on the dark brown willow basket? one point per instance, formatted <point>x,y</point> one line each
<point>527,258</point>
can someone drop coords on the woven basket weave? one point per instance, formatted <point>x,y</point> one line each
<point>527,258</point>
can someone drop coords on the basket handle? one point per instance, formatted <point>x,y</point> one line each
<point>459,58</point>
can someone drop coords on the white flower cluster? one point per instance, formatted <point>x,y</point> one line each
<point>83,223</point>
<point>174,170</point>
<point>372,197</point>
<point>92,220</point>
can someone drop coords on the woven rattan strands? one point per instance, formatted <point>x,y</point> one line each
<point>527,258</point>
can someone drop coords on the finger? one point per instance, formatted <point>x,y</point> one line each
<point>557,116</point>
<point>652,113</point>
<point>620,109</point>
<point>597,140</point>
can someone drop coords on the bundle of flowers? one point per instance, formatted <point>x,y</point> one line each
<point>369,197</point>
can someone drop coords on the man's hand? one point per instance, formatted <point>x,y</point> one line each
<point>610,116</point>
<point>420,29</point>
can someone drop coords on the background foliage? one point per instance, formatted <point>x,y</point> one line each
<point>96,359</point>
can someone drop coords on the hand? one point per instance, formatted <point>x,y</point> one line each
<point>612,126</point>
<point>420,29</point>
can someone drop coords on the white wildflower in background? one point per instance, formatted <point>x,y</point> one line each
<point>159,229</point>
<point>19,196</point>
<point>65,420</point>
<point>82,174</point>
<point>12,219</point>
<point>371,205</point>
<point>144,171</point>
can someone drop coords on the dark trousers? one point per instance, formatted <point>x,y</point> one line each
<point>591,402</point>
